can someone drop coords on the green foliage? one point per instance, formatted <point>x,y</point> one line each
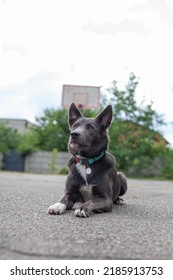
<point>126,107</point>
<point>90,113</point>
<point>167,170</point>
<point>64,171</point>
<point>133,140</point>
<point>52,130</point>
<point>27,142</point>
<point>52,164</point>
<point>22,142</point>
<point>8,139</point>
<point>135,147</point>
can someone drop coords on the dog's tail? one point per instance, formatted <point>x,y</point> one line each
<point>123,183</point>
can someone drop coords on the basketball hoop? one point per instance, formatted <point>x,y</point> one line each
<point>80,106</point>
<point>85,97</point>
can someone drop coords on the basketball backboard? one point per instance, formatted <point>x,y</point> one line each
<point>85,97</point>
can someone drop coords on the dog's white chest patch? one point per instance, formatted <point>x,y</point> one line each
<point>82,170</point>
<point>86,190</point>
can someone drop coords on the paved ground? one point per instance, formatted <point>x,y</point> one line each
<point>141,229</point>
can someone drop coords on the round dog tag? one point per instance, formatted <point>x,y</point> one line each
<point>88,170</point>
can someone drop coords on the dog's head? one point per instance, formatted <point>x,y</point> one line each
<point>88,136</point>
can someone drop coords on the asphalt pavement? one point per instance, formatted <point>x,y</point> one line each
<point>140,229</point>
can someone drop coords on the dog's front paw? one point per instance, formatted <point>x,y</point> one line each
<point>81,213</point>
<point>57,208</point>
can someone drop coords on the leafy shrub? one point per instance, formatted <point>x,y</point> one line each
<point>64,171</point>
<point>52,164</point>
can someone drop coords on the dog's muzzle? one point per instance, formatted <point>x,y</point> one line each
<point>74,135</point>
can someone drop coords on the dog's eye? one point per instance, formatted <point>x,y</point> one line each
<point>90,126</point>
<point>74,126</point>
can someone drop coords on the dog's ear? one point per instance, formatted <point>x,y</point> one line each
<point>105,117</point>
<point>74,114</point>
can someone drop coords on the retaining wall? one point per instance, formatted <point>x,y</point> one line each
<point>43,162</point>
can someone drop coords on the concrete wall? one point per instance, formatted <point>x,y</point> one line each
<point>154,169</point>
<point>42,162</point>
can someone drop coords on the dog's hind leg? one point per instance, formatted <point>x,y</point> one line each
<point>119,201</point>
<point>123,183</point>
<point>123,188</point>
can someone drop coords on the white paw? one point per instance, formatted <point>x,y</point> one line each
<point>120,201</point>
<point>57,208</point>
<point>80,213</point>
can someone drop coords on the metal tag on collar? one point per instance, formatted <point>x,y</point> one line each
<point>88,170</point>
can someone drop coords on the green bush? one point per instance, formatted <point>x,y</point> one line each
<point>167,171</point>
<point>64,171</point>
<point>52,164</point>
<point>27,142</point>
<point>9,139</point>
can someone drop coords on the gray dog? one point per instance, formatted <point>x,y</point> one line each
<point>92,178</point>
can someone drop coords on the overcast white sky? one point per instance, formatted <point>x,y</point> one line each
<point>47,43</point>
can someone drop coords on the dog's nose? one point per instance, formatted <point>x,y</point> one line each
<point>74,135</point>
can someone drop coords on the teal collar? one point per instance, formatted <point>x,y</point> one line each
<point>88,161</point>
